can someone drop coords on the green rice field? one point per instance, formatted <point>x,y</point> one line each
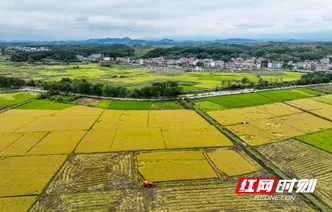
<point>140,76</point>
<point>322,140</point>
<point>8,99</point>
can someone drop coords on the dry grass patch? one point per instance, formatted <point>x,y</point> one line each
<point>167,166</point>
<point>88,101</point>
<point>138,139</point>
<point>108,120</point>
<point>22,145</point>
<point>176,118</point>
<point>58,143</point>
<point>16,204</point>
<point>188,137</point>
<point>96,141</point>
<point>237,116</point>
<point>28,174</point>
<point>133,119</point>
<point>80,111</point>
<point>231,163</point>
<point>308,104</point>
<point>251,134</point>
<point>60,123</point>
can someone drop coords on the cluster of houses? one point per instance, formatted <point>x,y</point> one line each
<point>28,49</point>
<point>239,63</point>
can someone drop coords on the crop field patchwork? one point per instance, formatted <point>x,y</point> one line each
<point>249,114</point>
<point>322,140</point>
<point>10,124</point>
<point>38,170</point>
<point>79,111</point>
<point>23,144</point>
<point>59,123</point>
<point>166,166</point>
<point>255,99</point>
<point>302,161</point>
<point>230,162</point>
<point>58,143</point>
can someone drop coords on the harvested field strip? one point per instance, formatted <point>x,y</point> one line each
<point>322,140</point>
<point>58,143</point>
<point>303,161</point>
<point>166,166</point>
<point>230,162</point>
<point>96,172</point>
<point>22,145</point>
<point>38,170</point>
<point>208,198</point>
<point>16,204</point>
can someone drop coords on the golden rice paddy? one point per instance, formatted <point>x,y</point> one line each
<point>230,162</point>
<point>28,174</point>
<point>188,137</point>
<point>309,104</point>
<point>174,166</point>
<point>16,204</point>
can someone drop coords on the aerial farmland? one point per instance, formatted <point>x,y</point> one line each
<point>59,157</point>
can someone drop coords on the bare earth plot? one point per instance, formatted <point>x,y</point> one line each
<point>302,161</point>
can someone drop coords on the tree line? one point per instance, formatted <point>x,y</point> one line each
<point>82,86</point>
<point>272,51</point>
<point>68,53</point>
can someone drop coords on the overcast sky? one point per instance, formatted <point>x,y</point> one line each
<point>83,19</point>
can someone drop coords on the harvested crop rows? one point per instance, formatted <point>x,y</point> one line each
<point>302,161</point>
